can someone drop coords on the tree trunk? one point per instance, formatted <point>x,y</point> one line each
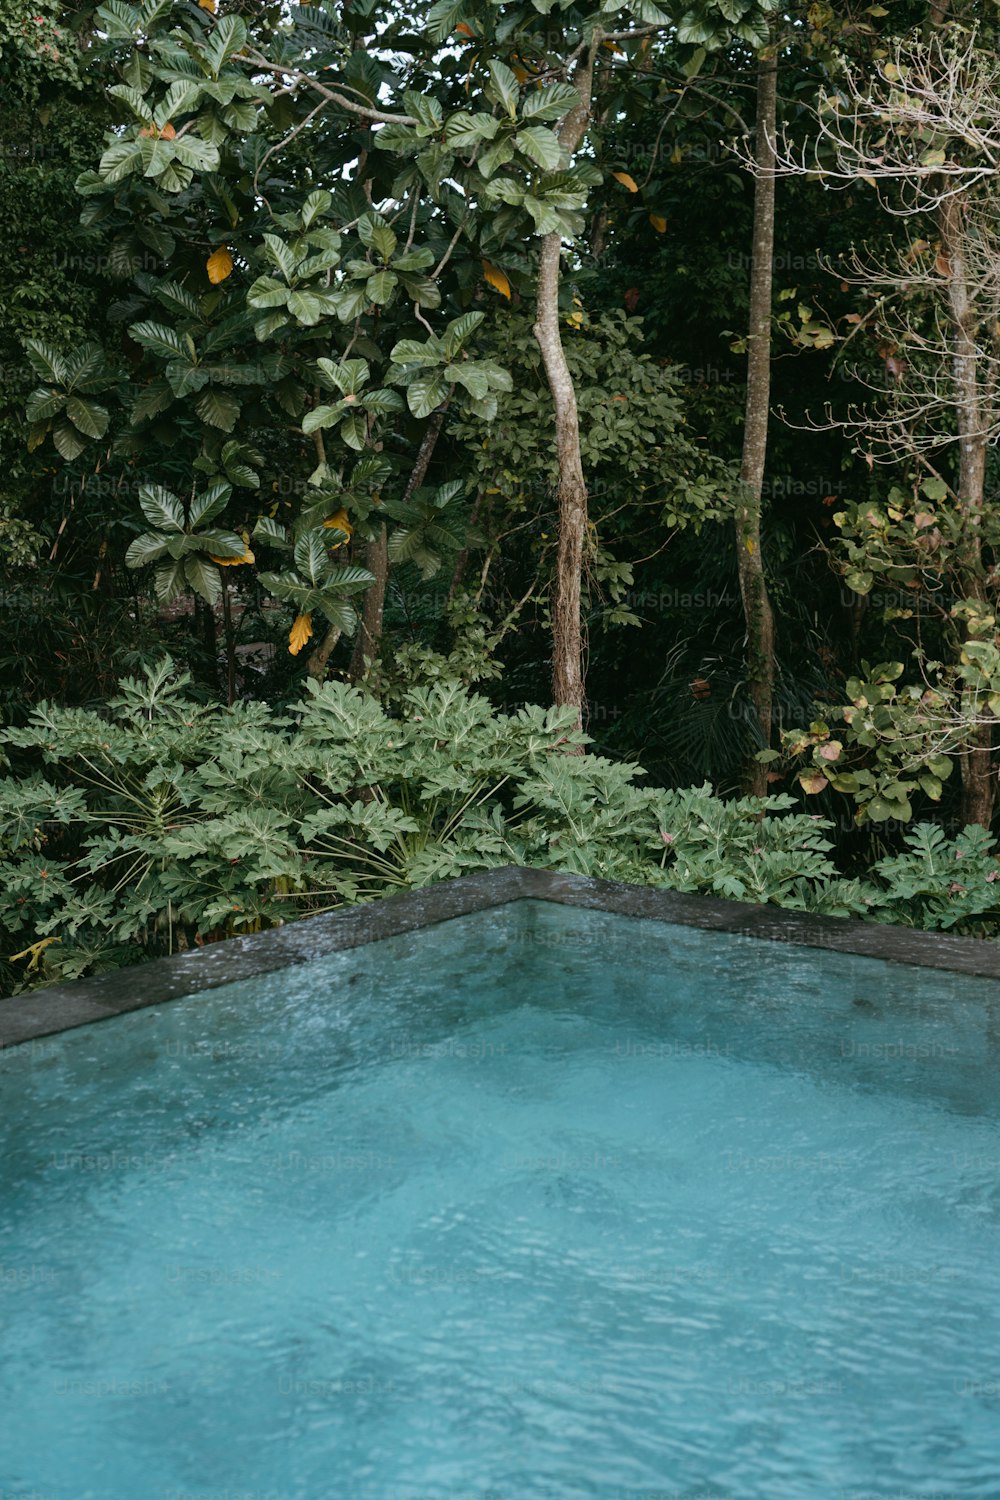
<point>462,560</point>
<point>369,637</point>
<point>567,631</point>
<point>753,585</point>
<point>227,617</point>
<point>975,756</point>
<point>205,614</point>
<point>321,654</point>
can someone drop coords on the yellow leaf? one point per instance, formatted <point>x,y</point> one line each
<point>496,278</point>
<point>207,5</point>
<point>626,181</point>
<point>575,320</point>
<point>300,633</point>
<point>219,265</point>
<point>659,223</point>
<point>813,784</point>
<point>341,523</point>
<point>34,951</point>
<point>613,47</point>
<point>234,562</point>
<point>750,545</point>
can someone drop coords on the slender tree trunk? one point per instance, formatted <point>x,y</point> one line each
<point>567,631</point>
<point>320,655</point>
<point>975,757</point>
<point>369,636</point>
<point>753,585</point>
<point>227,618</point>
<point>462,560</point>
<point>206,615</point>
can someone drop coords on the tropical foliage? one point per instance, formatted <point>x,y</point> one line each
<point>400,367</point>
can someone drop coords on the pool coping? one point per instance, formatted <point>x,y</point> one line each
<point>66,1006</point>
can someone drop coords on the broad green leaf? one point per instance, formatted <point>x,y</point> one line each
<point>203,576</point>
<point>383,241</point>
<point>280,255</point>
<point>426,393</point>
<point>502,88</point>
<point>310,555</point>
<point>420,289</point>
<point>268,324</point>
<point>120,161</point>
<point>196,154</point>
<point>382,401</point>
<point>119,21</point>
<point>183,379</point>
<point>270,531</point>
<point>425,109</point>
<point>169,581</point>
<point>459,330</point>
<point>316,205</point>
<point>322,416</point>
<point>218,408</point>
<point>68,441</point>
<point>152,399</point>
<point>414,260</point>
<point>345,375</point>
<point>177,298</point>
<point>161,507</point>
<point>147,548</point>
<point>306,308</point>
<point>354,430</point>
<point>464,130</point>
<point>350,579</point>
<point>549,103</point>
<point>858,581</point>
<point>473,379</point>
<point>210,503</point>
<point>133,101</point>
<point>381,286</point>
<point>228,38</point>
<point>412,352</point>
<point>496,155</point>
<point>89,418</point>
<point>43,404</point>
<point>350,302</point>
<point>45,361</point>
<point>219,543</point>
<point>161,340</point>
<point>541,145</point>
<point>267,292</point>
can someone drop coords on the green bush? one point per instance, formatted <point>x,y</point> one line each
<point>161,822</point>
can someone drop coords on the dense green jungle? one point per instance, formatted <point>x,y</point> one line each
<point>435,438</point>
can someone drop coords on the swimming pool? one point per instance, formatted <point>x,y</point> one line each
<point>539,1201</point>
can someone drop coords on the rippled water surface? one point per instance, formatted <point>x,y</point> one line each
<point>538,1203</point>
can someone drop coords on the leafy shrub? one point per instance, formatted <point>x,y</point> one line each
<point>937,883</point>
<point>161,822</point>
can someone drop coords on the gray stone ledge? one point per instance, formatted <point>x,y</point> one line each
<point>63,1007</point>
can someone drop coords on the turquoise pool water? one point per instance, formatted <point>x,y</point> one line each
<point>537,1203</point>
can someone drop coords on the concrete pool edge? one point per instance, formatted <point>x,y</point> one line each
<point>64,1007</point>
